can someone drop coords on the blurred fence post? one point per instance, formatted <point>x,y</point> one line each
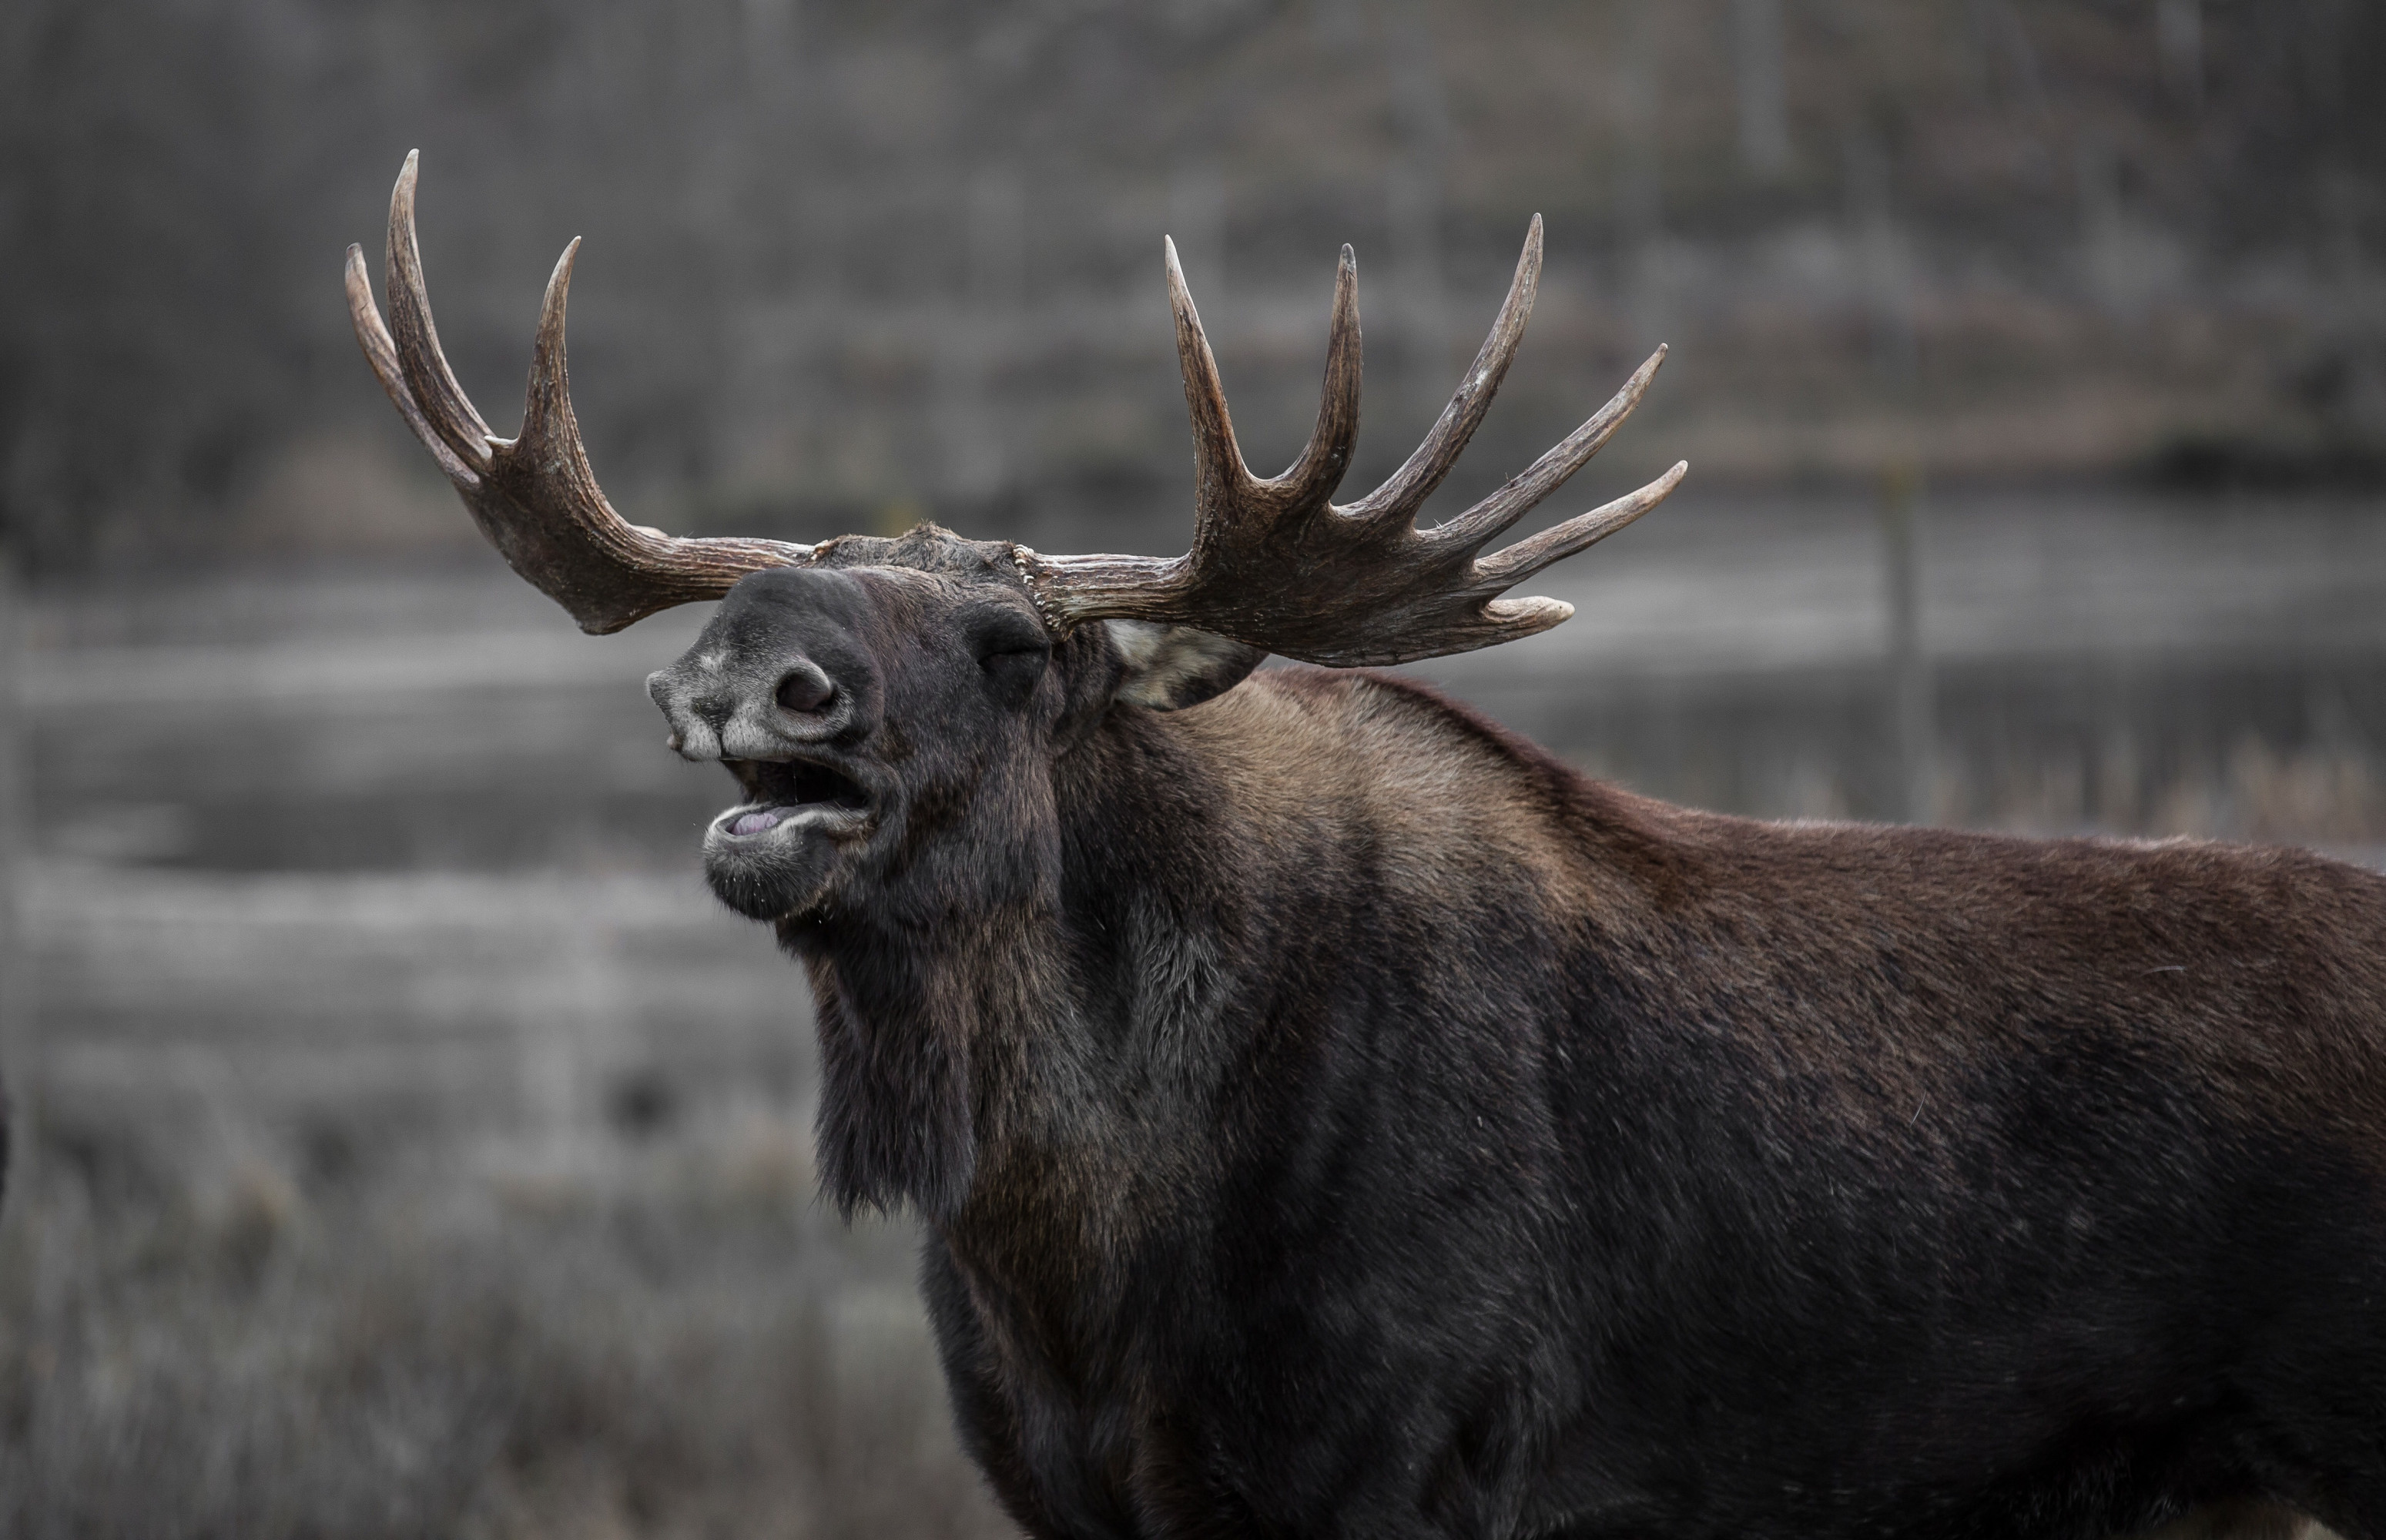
<point>1763,100</point>
<point>1913,708</point>
<point>1414,204</point>
<point>2178,37</point>
<point>20,1065</point>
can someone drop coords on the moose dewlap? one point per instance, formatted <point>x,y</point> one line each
<point>1332,1115</point>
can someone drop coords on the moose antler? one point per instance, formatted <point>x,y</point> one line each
<point>1274,563</point>
<point>534,496</point>
<point>1277,565</point>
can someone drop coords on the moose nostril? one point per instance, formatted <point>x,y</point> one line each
<point>805,690</point>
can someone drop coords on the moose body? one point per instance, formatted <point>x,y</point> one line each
<point>1332,1116</point>
<point>1421,1139</point>
<point>1362,1123</point>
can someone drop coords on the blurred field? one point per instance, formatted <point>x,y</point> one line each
<point>851,261</point>
<point>422,1151</point>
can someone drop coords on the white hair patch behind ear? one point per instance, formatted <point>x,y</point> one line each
<point>1170,667</point>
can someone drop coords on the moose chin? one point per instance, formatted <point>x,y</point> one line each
<point>1330,1114</point>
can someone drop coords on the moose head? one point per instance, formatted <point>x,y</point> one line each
<point>891,709</point>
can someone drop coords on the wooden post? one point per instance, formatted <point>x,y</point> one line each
<point>2178,38</point>
<point>1763,101</point>
<point>1913,708</point>
<point>973,466</point>
<point>1413,206</point>
<point>20,1067</point>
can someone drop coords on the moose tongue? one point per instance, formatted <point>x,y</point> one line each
<point>754,823</point>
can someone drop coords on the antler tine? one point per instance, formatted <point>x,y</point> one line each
<point>1494,514</point>
<point>1223,483</point>
<point>1513,564</point>
<point>1399,497</point>
<point>381,352</point>
<point>535,497</point>
<point>1310,481</point>
<point>550,429</point>
<point>441,400</point>
<point>1226,490</point>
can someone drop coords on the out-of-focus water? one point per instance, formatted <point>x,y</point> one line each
<point>2097,660</point>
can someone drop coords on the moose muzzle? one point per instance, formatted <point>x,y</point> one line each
<point>777,675</point>
<point>722,706</point>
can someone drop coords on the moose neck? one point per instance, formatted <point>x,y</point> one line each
<point>1023,1054</point>
<point>987,1054</point>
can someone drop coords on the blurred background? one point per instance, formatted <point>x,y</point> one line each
<point>408,1146</point>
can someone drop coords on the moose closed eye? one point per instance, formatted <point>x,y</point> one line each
<point>1012,650</point>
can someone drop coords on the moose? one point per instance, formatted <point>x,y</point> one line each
<point>1330,1114</point>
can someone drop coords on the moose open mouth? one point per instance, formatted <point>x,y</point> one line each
<point>782,792</point>
<point>776,855</point>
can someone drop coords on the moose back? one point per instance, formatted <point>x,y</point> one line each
<point>1332,1115</point>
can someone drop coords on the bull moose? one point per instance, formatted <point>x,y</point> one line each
<point>1332,1115</point>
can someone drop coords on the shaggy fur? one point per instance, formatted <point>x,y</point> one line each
<point>1335,1116</point>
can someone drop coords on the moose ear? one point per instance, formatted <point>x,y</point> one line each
<point>1170,667</point>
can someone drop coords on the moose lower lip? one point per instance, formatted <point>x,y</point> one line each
<point>753,822</point>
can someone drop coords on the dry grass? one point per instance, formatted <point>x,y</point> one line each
<point>2328,795</point>
<point>673,1342</point>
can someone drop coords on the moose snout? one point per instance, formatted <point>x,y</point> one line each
<point>722,707</point>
